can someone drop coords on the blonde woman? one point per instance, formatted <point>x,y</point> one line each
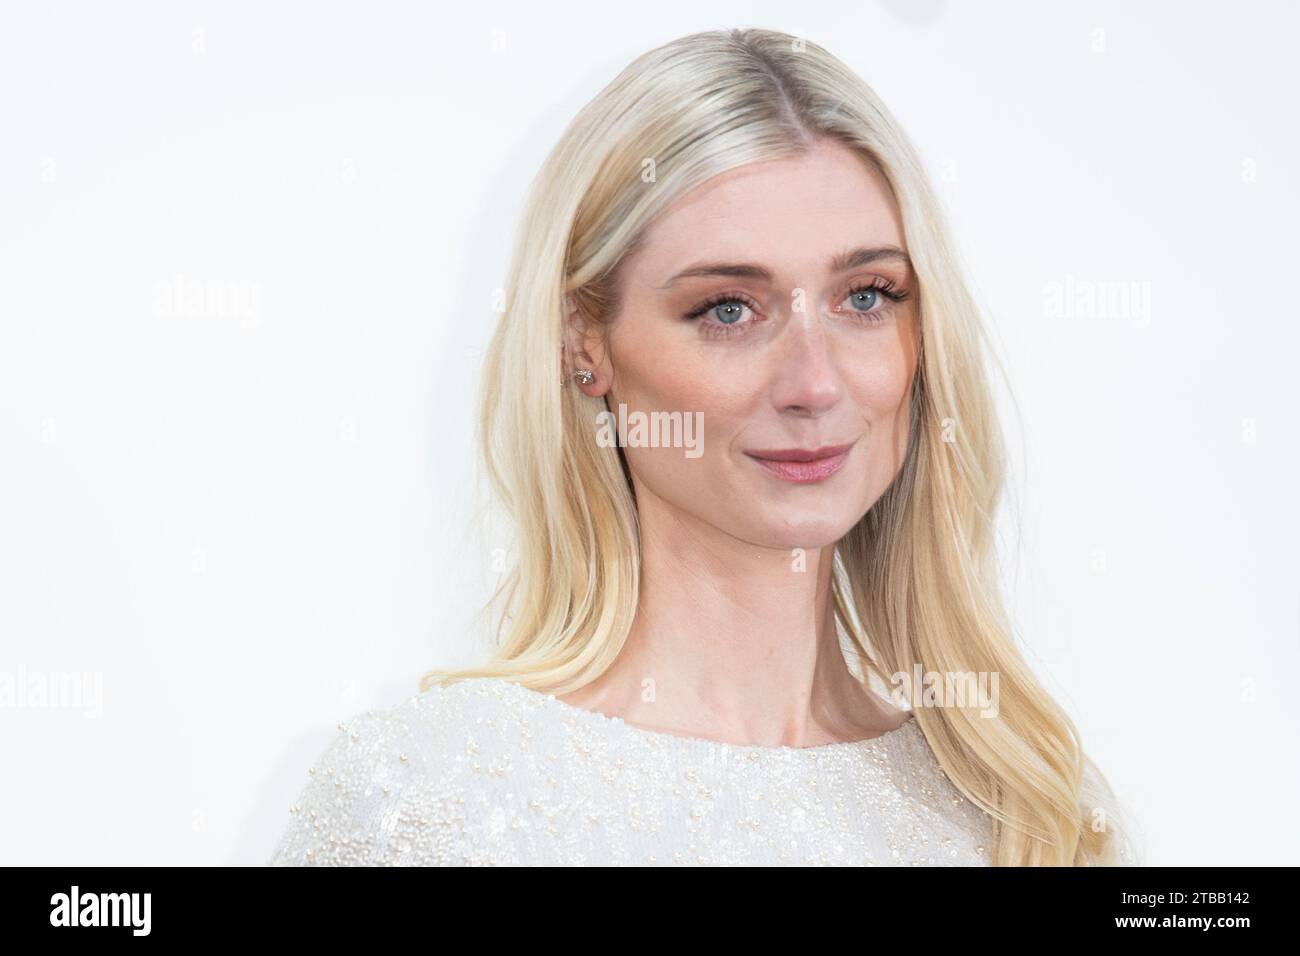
<point>737,408</point>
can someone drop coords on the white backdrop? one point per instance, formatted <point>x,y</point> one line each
<point>243,515</point>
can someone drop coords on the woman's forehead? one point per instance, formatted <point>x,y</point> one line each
<point>798,211</point>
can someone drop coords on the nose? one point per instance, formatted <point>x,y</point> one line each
<point>806,380</point>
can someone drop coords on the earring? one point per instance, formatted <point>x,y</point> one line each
<point>584,376</point>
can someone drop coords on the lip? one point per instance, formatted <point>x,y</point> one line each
<point>802,465</point>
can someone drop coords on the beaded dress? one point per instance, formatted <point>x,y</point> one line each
<point>485,771</point>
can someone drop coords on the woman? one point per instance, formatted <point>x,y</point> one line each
<point>766,483</point>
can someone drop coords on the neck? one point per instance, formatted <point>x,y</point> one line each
<point>734,642</point>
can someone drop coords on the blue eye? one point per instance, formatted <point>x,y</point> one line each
<point>728,312</point>
<point>871,302</point>
<point>722,310</point>
<point>866,299</point>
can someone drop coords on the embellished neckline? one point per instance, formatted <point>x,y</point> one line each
<point>667,738</point>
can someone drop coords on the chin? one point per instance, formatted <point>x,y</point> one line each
<point>803,531</point>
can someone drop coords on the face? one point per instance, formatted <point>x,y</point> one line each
<point>778,301</point>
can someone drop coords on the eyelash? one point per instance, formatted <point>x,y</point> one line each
<point>884,287</point>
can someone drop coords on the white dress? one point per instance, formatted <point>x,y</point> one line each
<point>486,771</point>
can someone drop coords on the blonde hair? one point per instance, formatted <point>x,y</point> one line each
<point>916,580</point>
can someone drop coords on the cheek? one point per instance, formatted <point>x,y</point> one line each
<point>663,373</point>
<point>715,407</point>
<point>659,369</point>
<point>881,387</point>
<point>881,381</point>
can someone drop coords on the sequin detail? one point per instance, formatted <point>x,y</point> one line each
<point>489,772</point>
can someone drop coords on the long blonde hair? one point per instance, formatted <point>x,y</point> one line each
<point>916,580</point>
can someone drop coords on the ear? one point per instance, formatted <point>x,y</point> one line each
<point>585,347</point>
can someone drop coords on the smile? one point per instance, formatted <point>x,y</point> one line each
<point>802,466</point>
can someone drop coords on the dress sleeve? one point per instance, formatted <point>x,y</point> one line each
<point>354,810</point>
<point>1128,851</point>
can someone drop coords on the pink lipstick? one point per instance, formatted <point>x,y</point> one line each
<point>802,465</point>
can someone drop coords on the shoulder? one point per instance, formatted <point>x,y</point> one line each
<point>380,781</point>
<point>930,799</point>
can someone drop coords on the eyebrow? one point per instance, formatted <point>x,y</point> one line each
<point>852,259</point>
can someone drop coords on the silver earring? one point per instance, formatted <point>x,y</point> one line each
<point>584,376</point>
